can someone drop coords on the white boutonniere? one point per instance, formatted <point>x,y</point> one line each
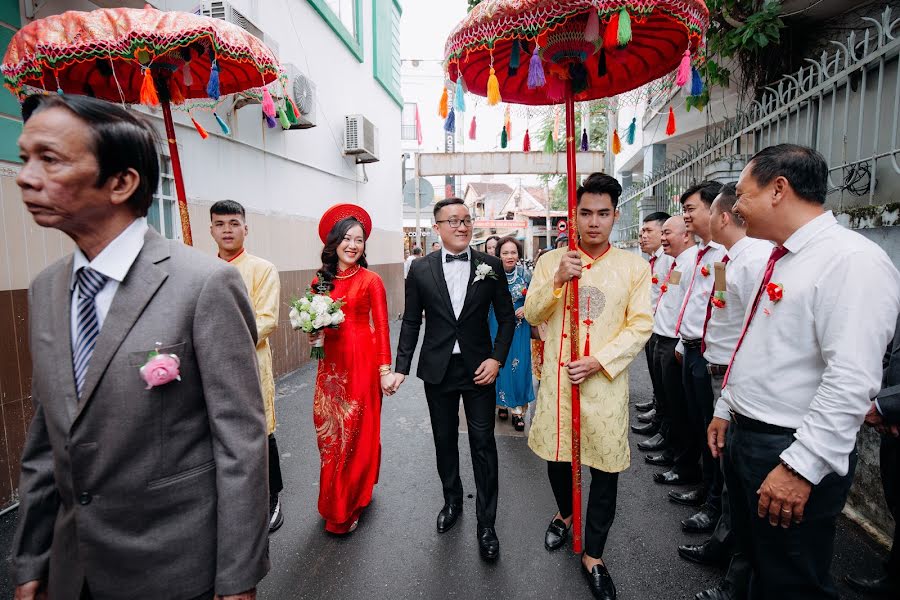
<point>482,271</point>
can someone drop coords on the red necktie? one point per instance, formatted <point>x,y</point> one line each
<point>776,255</point>
<point>661,291</point>
<point>690,287</point>
<point>709,312</point>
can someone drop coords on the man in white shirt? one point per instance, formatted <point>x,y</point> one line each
<point>416,253</point>
<point>736,280</point>
<point>679,244</point>
<point>802,376</point>
<point>651,245</point>
<point>696,202</point>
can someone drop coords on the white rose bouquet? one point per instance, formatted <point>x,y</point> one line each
<point>314,312</point>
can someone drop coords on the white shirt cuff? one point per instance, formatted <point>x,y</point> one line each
<point>723,411</point>
<point>878,407</point>
<point>802,460</point>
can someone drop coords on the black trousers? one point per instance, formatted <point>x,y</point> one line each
<point>890,481</point>
<point>654,378</point>
<point>276,484</point>
<point>793,563</point>
<point>86,594</point>
<point>669,391</point>
<point>443,407</point>
<point>699,404</point>
<point>601,504</point>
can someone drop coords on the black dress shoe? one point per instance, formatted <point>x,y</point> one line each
<point>647,417</point>
<point>665,459</point>
<point>884,586</point>
<point>557,534</point>
<point>647,429</point>
<point>673,478</point>
<point>488,544</point>
<point>601,584</point>
<point>692,498</point>
<point>448,516</point>
<point>707,553</point>
<point>644,406</point>
<point>654,444</point>
<point>722,592</point>
<point>703,522</point>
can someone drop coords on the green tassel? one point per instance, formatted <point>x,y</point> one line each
<point>549,145</point>
<point>283,118</point>
<point>504,138</point>
<point>290,114</point>
<point>624,28</point>
<point>515,57</point>
<point>632,130</point>
<point>222,125</point>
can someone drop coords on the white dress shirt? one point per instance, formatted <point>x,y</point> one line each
<point>812,360</point>
<point>407,264</point>
<point>670,301</point>
<point>114,262</point>
<point>746,262</point>
<point>698,290</point>
<point>456,274</point>
<point>659,269</point>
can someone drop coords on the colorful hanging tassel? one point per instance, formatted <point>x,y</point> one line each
<point>536,76</point>
<point>624,29</point>
<point>270,122</point>
<point>222,124</point>
<point>684,69</point>
<point>212,87</point>
<point>199,128</point>
<point>630,133</point>
<point>294,110</point>
<point>601,63</point>
<point>460,99</point>
<point>149,97</point>
<point>186,74</point>
<point>556,126</point>
<point>444,105</point>
<point>504,138</point>
<point>493,89</point>
<point>473,128</point>
<point>268,105</point>
<point>283,119</point>
<point>526,143</point>
<point>507,121</point>
<point>584,140</point>
<point>450,122</point>
<point>616,142</point>
<point>611,35</point>
<point>555,89</point>
<point>696,82</point>
<point>670,126</point>
<point>592,30</point>
<point>175,95</point>
<point>549,143</point>
<point>515,57</point>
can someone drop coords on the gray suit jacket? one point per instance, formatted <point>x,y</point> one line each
<point>889,396</point>
<point>160,493</point>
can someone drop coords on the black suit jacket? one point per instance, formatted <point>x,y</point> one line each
<point>889,396</point>
<point>426,289</point>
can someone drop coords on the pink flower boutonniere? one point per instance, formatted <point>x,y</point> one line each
<point>718,300</point>
<point>160,369</point>
<point>775,291</point>
<point>704,270</point>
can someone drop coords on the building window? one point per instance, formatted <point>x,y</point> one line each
<point>408,123</point>
<point>163,215</point>
<point>386,26</point>
<point>345,19</point>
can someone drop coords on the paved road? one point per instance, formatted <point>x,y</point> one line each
<point>396,552</point>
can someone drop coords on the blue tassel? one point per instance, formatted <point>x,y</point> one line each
<point>584,140</point>
<point>459,101</point>
<point>515,57</point>
<point>222,124</point>
<point>696,82</point>
<point>630,133</point>
<point>450,123</point>
<point>212,88</point>
<point>270,122</point>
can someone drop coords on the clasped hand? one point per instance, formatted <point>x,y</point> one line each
<point>876,422</point>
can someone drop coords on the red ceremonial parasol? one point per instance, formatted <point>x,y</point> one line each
<point>539,52</point>
<point>142,56</point>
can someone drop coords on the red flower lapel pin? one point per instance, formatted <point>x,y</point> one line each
<point>775,291</point>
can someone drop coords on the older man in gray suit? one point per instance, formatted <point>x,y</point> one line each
<point>135,484</point>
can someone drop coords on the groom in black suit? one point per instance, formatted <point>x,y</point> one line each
<point>455,287</point>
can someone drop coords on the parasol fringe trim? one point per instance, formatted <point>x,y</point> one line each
<point>443,106</point>
<point>630,133</point>
<point>670,125</point>
<point>616,142</point>
<point>536,77</point>
<point>684,69</point>
<point>212,87</point>
<point>493,89</point>
<point>149,97</point>
<point>199,128</point>
<point>222,124</point>
<point>473,128</point>
<point>592,30</point>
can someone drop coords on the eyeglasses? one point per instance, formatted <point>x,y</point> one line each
<point>454,222</point>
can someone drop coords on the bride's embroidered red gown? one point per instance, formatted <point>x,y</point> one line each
<point>347,408</point>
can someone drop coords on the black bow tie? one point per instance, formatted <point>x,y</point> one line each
<point>463,257</point>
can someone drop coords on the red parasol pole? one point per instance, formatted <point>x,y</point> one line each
<point>574,317</point>
<point>176,173</point>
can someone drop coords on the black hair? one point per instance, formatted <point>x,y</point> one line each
<point>505,240</point>
<point>121,140</point>
<point>708,192</point>
<point>726,200</point>
<point>601,183</point>
<point>227,207</point>
<point>659,217</point>
<point>492,237</point>
<point>804,168</point>
<point>329,268</point>
<point>417,251</point>
<point>446,202</point>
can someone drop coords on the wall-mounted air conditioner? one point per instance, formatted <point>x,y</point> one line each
<point>302,91</point>
<point>220,9</point>
<point>360,139</point>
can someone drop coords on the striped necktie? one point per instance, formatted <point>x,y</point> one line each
<point>87,327</point>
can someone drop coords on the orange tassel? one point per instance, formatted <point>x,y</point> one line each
<point>175,94</point>
<point>443,107</point>
<point>616,142</point>
<point>493,89</point>
<point>611,34</point>
<point>200,129</point>
<point>670,126</point>
<point>149,97</point>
